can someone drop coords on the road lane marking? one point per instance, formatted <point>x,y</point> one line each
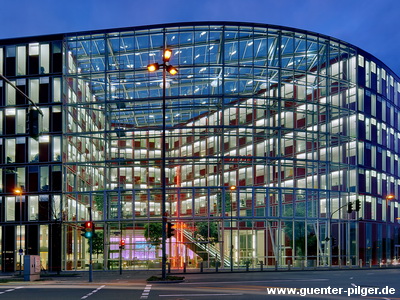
<point>11,290</point>
<point>199,295</point>
<point>146,292</point>
<point>232,288</point>
<point>93,292</point>
<point>256,281</point>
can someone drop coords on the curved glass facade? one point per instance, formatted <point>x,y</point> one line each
<point>301,124</point>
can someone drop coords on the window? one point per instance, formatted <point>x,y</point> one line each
<point>10,94</point>
<point>1,60</point>
<point>33,212</point>
<point>44,58</point>
<point>34,90</point>
<point>21,121</point>
<point>56,148</point>
<point>10,150</point>
<point>33,150</point>
<point>56,90</point>
<point>21,60</point>
<point>10,208</point>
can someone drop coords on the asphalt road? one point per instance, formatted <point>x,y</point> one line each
<point>362,284</point>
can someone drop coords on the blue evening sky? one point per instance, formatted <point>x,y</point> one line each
<point>369,24</point>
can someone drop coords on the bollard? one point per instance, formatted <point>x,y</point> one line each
<point>261,266</point>
<point>370,263</point>
<point>201,267</point>
<point>315,264</point>
<point>169,268</point>
<point>289,264</point>
<point>216,266</point>
<point>303,263</point>
<point>184,267</point>
<point>360,263</point>
<point>276,266</point>
<point>247,266</point>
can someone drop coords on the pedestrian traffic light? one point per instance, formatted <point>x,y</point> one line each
<point>349,207</point>
<point>34,123</point>
<point>88,229</point>
<point>358,205</point>
<point>122,244</point>
<point>170,230</point>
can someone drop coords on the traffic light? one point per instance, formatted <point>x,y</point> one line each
<point>358,205</point>
<point>349,207</point>
<point>88,229</point>
<point>34,123</point>
<point>122,244</point>
<point>170,230</point>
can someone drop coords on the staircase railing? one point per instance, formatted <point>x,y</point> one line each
<point>206,246</point>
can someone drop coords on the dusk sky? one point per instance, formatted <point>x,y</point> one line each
<point>369,24</point>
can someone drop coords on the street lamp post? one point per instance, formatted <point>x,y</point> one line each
<point>232,188</point>
<point>19,192</point>
<point>166,67</point>
<point>388,198</point>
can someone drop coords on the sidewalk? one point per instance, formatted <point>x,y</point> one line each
<point>82,277</point>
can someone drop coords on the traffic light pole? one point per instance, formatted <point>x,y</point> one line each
<point>90,249</point>
<point>329,238</point>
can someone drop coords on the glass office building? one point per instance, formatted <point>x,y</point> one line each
<point>270,132</point>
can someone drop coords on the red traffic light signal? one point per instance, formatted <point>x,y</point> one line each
<point>122,244</point>
<point>88,229</point>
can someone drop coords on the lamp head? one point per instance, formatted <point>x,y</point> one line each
<point>153,67</point>
<point>167,55</point>
<point>172,70</point>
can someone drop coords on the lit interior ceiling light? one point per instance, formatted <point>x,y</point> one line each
<point>203,33</point>
<point>250,43</point>
<point>202,70</point>
<point>233,52</point>
<point>167,85</point>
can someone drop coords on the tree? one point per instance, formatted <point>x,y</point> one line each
<point>300,231</point>
<point>207,231</point>
<point>227,202</point>
<point>153,233</point>
<point>98,243</point>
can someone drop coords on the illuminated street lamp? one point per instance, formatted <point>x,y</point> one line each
<point>18,192</point>
<point>232,188</point>
<point>388,198</point>
<point>166,67</point>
